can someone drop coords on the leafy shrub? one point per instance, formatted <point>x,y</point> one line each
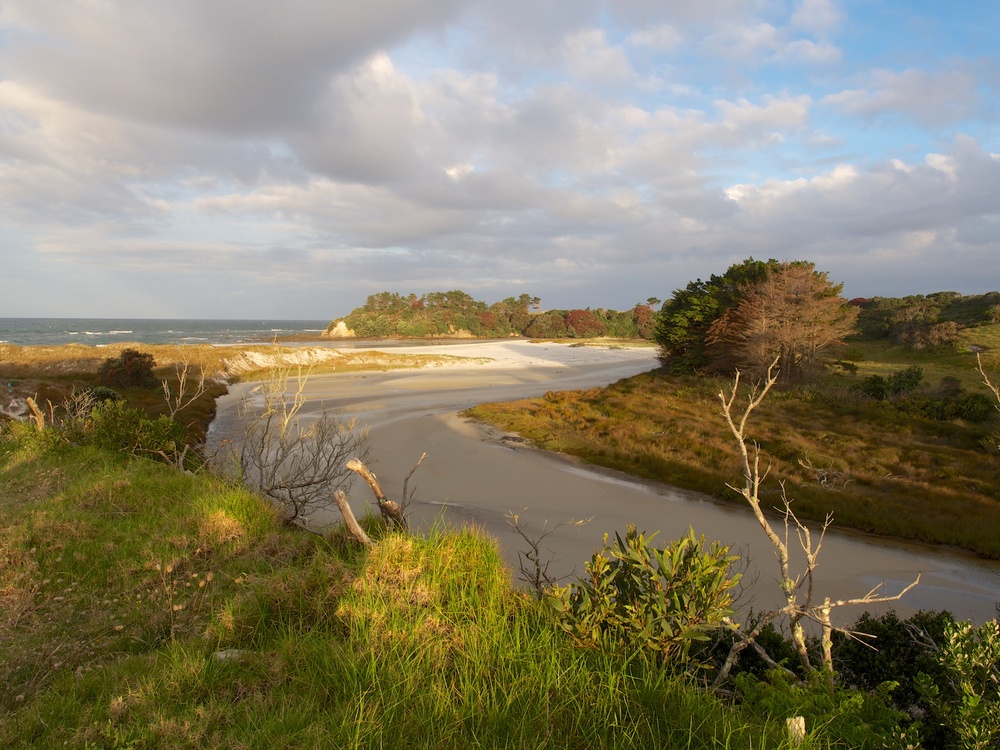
<point>130,369</point>
<point>637,596</point>
<point>967,700</point>
<point>852,719</point>
<point>102,393</point>
<point>898,651</point>
<point>115,426</point>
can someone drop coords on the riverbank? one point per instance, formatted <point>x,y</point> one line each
<point>473,475</point>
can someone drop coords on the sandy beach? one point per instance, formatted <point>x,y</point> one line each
<point>474,474</point>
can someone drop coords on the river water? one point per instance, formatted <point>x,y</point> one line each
<point>471,475</point>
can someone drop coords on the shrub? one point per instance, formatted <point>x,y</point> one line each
<point>851,719</point>
<point>115,426</point>
<point>130,369</point>
<point>896,651</point>
<point>967,700</point>
<point>637,596</point>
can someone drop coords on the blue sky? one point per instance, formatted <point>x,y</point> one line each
<point>239,158</point>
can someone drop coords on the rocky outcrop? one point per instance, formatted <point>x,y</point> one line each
<point>339,331</point>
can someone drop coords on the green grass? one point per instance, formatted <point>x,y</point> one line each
<point>886,472</point>
<point>122,580</point>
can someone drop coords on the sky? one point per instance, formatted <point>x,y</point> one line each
<point>252,159</point>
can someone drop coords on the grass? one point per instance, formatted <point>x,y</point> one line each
<point>146,608</point>
<point>875,469</point>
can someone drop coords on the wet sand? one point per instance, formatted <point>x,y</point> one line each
<point>472,474</point>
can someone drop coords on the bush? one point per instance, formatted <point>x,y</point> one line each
<point>637,596</point>
<point>850,719</point>
<point>130,369</point>
<point>115,426</point>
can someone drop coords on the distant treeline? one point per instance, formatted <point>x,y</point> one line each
<point>455,313</point>
<point>919,321</point>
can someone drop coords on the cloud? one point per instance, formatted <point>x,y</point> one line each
<point>659,38</point>
<point>240,158</point>
<point>935,98</point>
<point>238,66</point>
<point>817,16</point>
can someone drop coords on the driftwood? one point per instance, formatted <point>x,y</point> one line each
<point>352,523</point>
<point>391,510</point>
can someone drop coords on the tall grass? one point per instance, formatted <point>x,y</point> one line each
<point>148,608</point>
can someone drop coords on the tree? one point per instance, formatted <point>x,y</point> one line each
<point>584,324</point>
<point>130,369</point>
<point>792,314</point>
<point>802,603</point>
<point>683,322</point>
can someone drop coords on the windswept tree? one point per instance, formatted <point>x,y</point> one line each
<point>682,324</point>
<point>793,314</point>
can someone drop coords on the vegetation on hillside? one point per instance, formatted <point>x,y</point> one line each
<point>455,313</point>
<point>145,606</point>
<point>892,438</point>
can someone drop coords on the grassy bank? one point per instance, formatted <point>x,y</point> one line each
<point>146,608</point>
<point>876,468</point>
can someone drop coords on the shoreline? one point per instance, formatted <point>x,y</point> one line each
<point>472,474</point>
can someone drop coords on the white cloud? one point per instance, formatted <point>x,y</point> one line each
<point>817,16</point>
<point>932,98</point>
<point>589,56</point>
<point>220,154</point>
<point>660,38</point>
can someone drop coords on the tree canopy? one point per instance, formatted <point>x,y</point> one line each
<point>756,311</point>
<point>455,313</point>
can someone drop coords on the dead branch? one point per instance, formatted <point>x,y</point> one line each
<point>181,398</point>
<point>36,414</point>
<point>986,379</point>
<point>404,499</point>
<point>797,589</point>
<point>391,510</point>
<point>352,523</point>
<point>533,568</point>
<point>826,477</point>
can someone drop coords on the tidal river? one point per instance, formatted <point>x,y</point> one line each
<point>471,475</point>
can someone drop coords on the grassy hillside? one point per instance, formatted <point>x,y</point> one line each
<point>146,608</point>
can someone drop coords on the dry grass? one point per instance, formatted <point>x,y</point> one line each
<point>878,471</point>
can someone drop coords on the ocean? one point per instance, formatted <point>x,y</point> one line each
<point>100,331</point>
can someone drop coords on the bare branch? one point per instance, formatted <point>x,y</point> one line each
<point>349,520</point>
<point>986,379</point>
<point>798,589</point>
<point>533,568</point>
<point>391,510</point>
<point>182,398</point>
<point>404,499</point>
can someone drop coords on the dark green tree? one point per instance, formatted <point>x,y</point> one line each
<point>130,369</point>
<point>682,324</point>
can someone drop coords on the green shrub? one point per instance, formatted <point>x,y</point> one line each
<point>848,718</point>
<point>968,697</point>
<point>637,596</point>
<point>130,369</point>
<point>115,426</point>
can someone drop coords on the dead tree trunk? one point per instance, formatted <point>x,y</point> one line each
<point>391,510</point>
